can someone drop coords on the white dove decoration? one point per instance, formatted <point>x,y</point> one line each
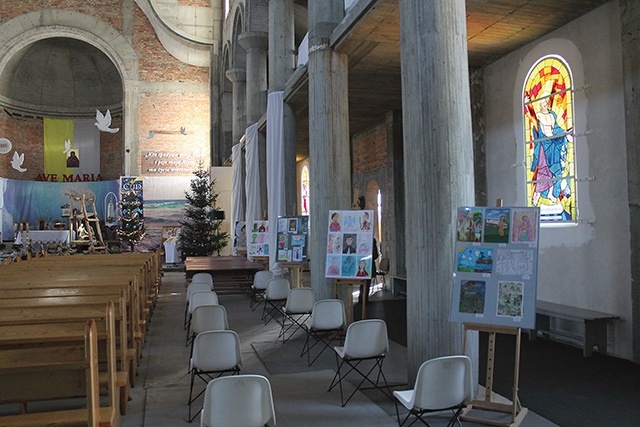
<point>17,161</point>
<point>104,121</point>
<point>67,146</point>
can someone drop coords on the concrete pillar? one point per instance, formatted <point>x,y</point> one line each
<point>216,139</point>
<point>281,66</point>
<point>438,161</point>
<point>329,145</point>
<point>630,33</point>
<point>255,44</point>
<point>237,76</point>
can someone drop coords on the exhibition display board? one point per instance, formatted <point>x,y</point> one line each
<point>349,244</point>
<point>495,268</point>
<point>292,238</point>
<point>259,239</point>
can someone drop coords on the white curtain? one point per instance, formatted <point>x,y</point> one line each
<point>236,184</point>
<point>303,51</point>
<point>275,172</point>
<point>252,180</point>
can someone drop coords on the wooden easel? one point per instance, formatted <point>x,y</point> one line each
<point>296,269</point>
<point>350,284</point>
<point>515,409</point>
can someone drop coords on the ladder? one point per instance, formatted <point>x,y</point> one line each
<point>86,215</point>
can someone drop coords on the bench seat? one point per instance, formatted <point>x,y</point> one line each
<point>595,323</point>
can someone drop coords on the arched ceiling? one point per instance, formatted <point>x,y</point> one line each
<point>60,76</point>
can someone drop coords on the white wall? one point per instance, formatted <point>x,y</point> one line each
<point>585,265</point>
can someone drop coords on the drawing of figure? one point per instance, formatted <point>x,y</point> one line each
<point>334,269</point>
<point>335,225</point>
<point>550,152</point>
<point>282,243</point>
<point>502,225</point>
<point>524,229</point>
<point>349,244</point>
<point>365,223</point>
<point>362,269</point>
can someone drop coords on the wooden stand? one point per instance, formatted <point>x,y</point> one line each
<point>351,285</point>
<point>262,260</point>
<point>515,409</point>
<point>296,269</point>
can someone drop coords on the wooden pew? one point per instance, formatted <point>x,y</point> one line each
<point>110,286</point>
<point>23,369</point>
<point>59,310</point>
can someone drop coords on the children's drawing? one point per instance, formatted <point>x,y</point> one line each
<point>514,262</point>
<point>472,294</point>
<point>348,266</point>
<point>496,225</point>
<point>524,225</point>
<point>475,260</point>
<point>510,299</point>
<point>333,266</point>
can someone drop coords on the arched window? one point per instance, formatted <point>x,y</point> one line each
<point>549,140</point>
<point>304,190</point>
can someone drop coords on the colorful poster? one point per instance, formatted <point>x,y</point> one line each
<point>496,266</point>
<point>349,244</point>
<point>240,236</point>
<point>292,239</point>
<point>259,239</point>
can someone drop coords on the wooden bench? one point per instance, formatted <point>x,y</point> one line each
<point>595,324</point>
<point>22,369</point>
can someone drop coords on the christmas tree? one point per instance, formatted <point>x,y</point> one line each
<point>201,228</point>
<point>131,229</point>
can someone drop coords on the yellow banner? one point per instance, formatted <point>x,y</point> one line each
<point>58,140</point>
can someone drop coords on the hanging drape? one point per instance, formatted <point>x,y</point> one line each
<point>275,172</point>
<point>237,187</point>
<point>252,179</point>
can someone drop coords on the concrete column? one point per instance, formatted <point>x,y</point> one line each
<point>438,161</point>
<point>281,66</point>
<point>255,44</point>
<point>329,145</point>
<point>630,33</point>
<point>215,86</point>
<point>237,76</point>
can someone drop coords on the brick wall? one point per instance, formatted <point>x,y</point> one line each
<point>369,149</point>
<point>179,96</point>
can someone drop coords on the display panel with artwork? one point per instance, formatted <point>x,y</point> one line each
<point>259,239</point>
<point>495,266</point>
<point>349,244</point>
<point>292,239</point>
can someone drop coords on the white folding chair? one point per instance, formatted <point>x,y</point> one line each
<point>325,325</point>
<point>197,299</point>
<point>260,280</point>
<point>203,278</point>
<point>193,287</point>
<point>443,383</point>
<point>208,317</point>
<point>297,310</point>
<point>238,401</point>
<point>366,340</point>
<point>214,354</point>
<point>275,297</point>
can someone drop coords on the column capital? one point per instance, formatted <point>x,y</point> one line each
<point>236,75</point>
<point>254,40</point>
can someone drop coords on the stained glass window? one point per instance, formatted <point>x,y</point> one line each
<point>549,140</point>
<point>304,190</point>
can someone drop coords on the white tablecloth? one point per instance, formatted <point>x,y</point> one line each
<point>45,236</point>
<point>171,252</point>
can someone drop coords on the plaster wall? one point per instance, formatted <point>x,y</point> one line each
<point>586,264</point>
